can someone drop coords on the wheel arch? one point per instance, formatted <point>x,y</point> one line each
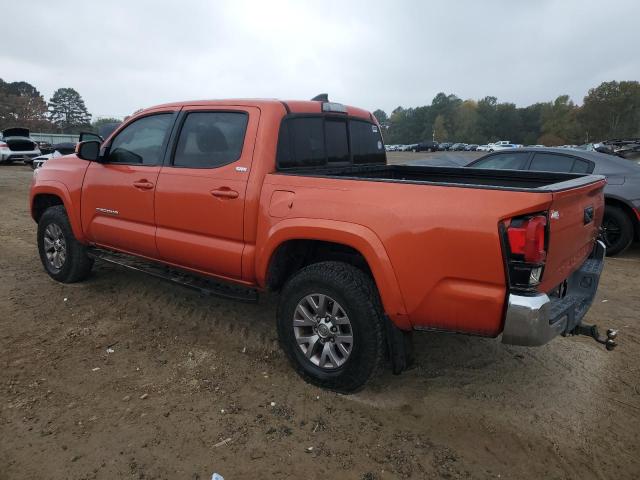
<point>628,210</point>
<point>53,193</point>
<point>294,243</point>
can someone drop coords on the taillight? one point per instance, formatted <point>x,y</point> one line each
<point>527,238</point>
<point>3,145</point>
<point>526,250</point>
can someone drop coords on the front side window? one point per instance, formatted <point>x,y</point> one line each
<point>142,141</point>
<point>504,161</point>
<point>210,139</point>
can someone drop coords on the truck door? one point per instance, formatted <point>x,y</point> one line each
<point>201,190</point>
<point>118,191</point>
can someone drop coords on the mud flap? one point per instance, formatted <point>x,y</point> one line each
<point>400,347</point>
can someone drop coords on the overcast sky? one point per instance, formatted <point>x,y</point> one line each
<point>125,55</point>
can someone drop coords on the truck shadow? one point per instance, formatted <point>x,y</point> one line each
<point>461,370</point>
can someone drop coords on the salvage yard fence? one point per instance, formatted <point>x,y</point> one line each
<point>54,138</point>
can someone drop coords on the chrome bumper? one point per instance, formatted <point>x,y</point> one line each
<point>535,320</point>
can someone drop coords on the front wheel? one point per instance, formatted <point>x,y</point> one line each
<point>617,230</point>
<point>330,325</point>
<point>63,257</point>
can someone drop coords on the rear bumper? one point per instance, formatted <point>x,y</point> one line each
<point>535,320</point>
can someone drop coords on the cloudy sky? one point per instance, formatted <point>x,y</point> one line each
<point>125,55</point>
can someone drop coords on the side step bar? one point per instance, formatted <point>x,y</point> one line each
<point>205,285</point>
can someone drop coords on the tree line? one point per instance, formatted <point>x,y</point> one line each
<point>22,105</point>
<point>610,110</point>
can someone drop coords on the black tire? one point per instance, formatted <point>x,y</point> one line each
<point>617,230</point>
<point>357,294</point>
<point>77,264</point>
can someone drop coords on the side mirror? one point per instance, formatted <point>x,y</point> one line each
<point>89,136</point>
<point>88,150</point>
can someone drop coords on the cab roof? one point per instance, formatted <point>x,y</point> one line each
<point>287,106</point>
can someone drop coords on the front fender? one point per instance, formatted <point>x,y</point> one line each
<point>355,236</point>
<point>60,190</point>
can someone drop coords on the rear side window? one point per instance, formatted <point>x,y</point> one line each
<point>210,139</point>
<point>549,162</point>
<point>504,161</point>
<point>325,140</point>
<point>366,143</point>
<point>580,166</point>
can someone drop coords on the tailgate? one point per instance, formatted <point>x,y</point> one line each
<point>575,216</point>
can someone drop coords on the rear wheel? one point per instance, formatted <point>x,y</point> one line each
<point>330,325</point>
<point>63,257</point>
<point>617,230</point>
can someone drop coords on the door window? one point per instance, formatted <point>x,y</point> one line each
<point>504,161</point>
<point>141,142</point>
<point>210,139</point>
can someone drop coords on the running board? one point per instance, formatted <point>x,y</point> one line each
<point>205,285</point>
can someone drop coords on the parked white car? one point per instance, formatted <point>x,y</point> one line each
<point>16,144</point>
<point>494,147</point>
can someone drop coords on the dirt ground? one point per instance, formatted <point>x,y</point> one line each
<point>125,376</point>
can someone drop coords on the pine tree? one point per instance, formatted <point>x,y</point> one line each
<point>68,111</point>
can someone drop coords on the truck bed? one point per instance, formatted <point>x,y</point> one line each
<point>517,180</point>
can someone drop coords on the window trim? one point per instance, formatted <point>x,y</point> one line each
<point>333,115</point>
<point>182,118</point>
<point>104,155</point>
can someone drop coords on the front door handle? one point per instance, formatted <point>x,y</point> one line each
<point>224,192</point>
<point>143,184</point>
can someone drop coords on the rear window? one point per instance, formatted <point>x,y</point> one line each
<point>326,140</point>
<point>366,143</point>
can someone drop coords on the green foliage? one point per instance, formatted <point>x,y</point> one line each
<point>381,116</point>
<point>68,112</point>
<point>440,133</point>
<point>610,110</point>
<point>21,105</point>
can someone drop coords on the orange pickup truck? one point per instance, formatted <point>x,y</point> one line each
<point>235,197</point>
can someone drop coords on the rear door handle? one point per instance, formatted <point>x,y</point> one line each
<point>224,192</point>
<point>143,184</point>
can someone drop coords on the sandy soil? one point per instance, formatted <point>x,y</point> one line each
<point>125,376</point>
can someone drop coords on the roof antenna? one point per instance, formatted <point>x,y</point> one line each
<point>322,97</point>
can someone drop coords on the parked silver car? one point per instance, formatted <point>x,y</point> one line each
<point>16,144</point>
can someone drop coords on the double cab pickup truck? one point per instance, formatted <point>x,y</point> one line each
<point>236,197</point>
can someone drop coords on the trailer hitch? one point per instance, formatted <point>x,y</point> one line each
<point>592,331</point>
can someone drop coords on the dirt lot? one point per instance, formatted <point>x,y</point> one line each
<point>196,385</point>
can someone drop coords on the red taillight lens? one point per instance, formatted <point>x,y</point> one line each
<point>527,238</point>
<point>2,145</point>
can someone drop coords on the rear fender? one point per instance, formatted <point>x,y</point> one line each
<point>355,236</point>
